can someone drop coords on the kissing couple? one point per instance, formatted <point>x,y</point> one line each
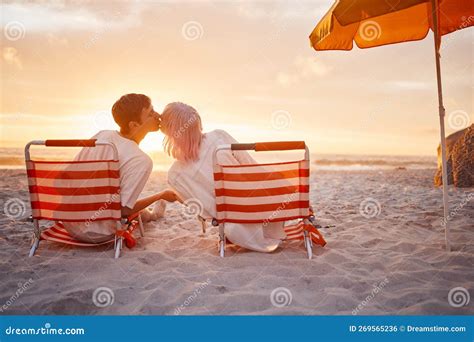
<point>190,176</point>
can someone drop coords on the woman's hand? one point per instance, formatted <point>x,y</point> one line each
<point>170,196</point>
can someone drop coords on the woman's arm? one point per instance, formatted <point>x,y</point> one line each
<point>167,195</point>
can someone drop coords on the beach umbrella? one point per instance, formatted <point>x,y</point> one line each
<point>371,23</point>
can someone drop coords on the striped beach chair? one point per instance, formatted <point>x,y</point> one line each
<point>264,193</point>
<point>76,191</point>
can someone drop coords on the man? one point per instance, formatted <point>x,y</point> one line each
<point>135,116</point>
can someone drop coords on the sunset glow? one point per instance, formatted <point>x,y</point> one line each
<point>246,67</point>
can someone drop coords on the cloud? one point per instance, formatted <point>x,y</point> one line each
<point>10,56</point>
<point>311,66</point>
<point>428,131</point>
<point>282,9</point>
<point>50,17</point>
<point>285,79</point>
<point>255,11</point>
<point>303,68</point>
<point>278,100</point>
<point>56,40</point>
<point>38,118</point>
<point>409,85</point>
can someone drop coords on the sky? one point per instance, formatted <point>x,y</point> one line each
<point>247,67</point>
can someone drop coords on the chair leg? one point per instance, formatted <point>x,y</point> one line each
<point>203,224</point>
<point>118,247</point>
<point>308,245</point>
<point>222,248</point>
<point>34,246</point>
<point>36,238</point>
<point>140,225</point>
<point>221,241</point>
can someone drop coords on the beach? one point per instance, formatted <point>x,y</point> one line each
<point>385,256</point>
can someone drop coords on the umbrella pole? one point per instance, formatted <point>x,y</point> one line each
<point>441,125</point>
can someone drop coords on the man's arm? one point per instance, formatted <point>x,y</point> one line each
<point>167,195</point>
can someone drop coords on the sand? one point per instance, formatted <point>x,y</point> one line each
<point>388,258</point>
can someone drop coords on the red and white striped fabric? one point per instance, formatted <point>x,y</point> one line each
<point>262,192</point>
<point>57,233</point>
<point>296,232</point>
<point>75,191</point>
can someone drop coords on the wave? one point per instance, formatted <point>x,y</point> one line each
<point>378,162</point>
<point>14,158</point>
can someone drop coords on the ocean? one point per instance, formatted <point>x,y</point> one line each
<point>13,158</point>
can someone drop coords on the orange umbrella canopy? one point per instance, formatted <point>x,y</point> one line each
<point>379,22</point>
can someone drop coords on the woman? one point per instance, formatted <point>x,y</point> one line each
<point>191,175</point>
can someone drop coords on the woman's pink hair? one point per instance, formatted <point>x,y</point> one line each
<point>182,127</point>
